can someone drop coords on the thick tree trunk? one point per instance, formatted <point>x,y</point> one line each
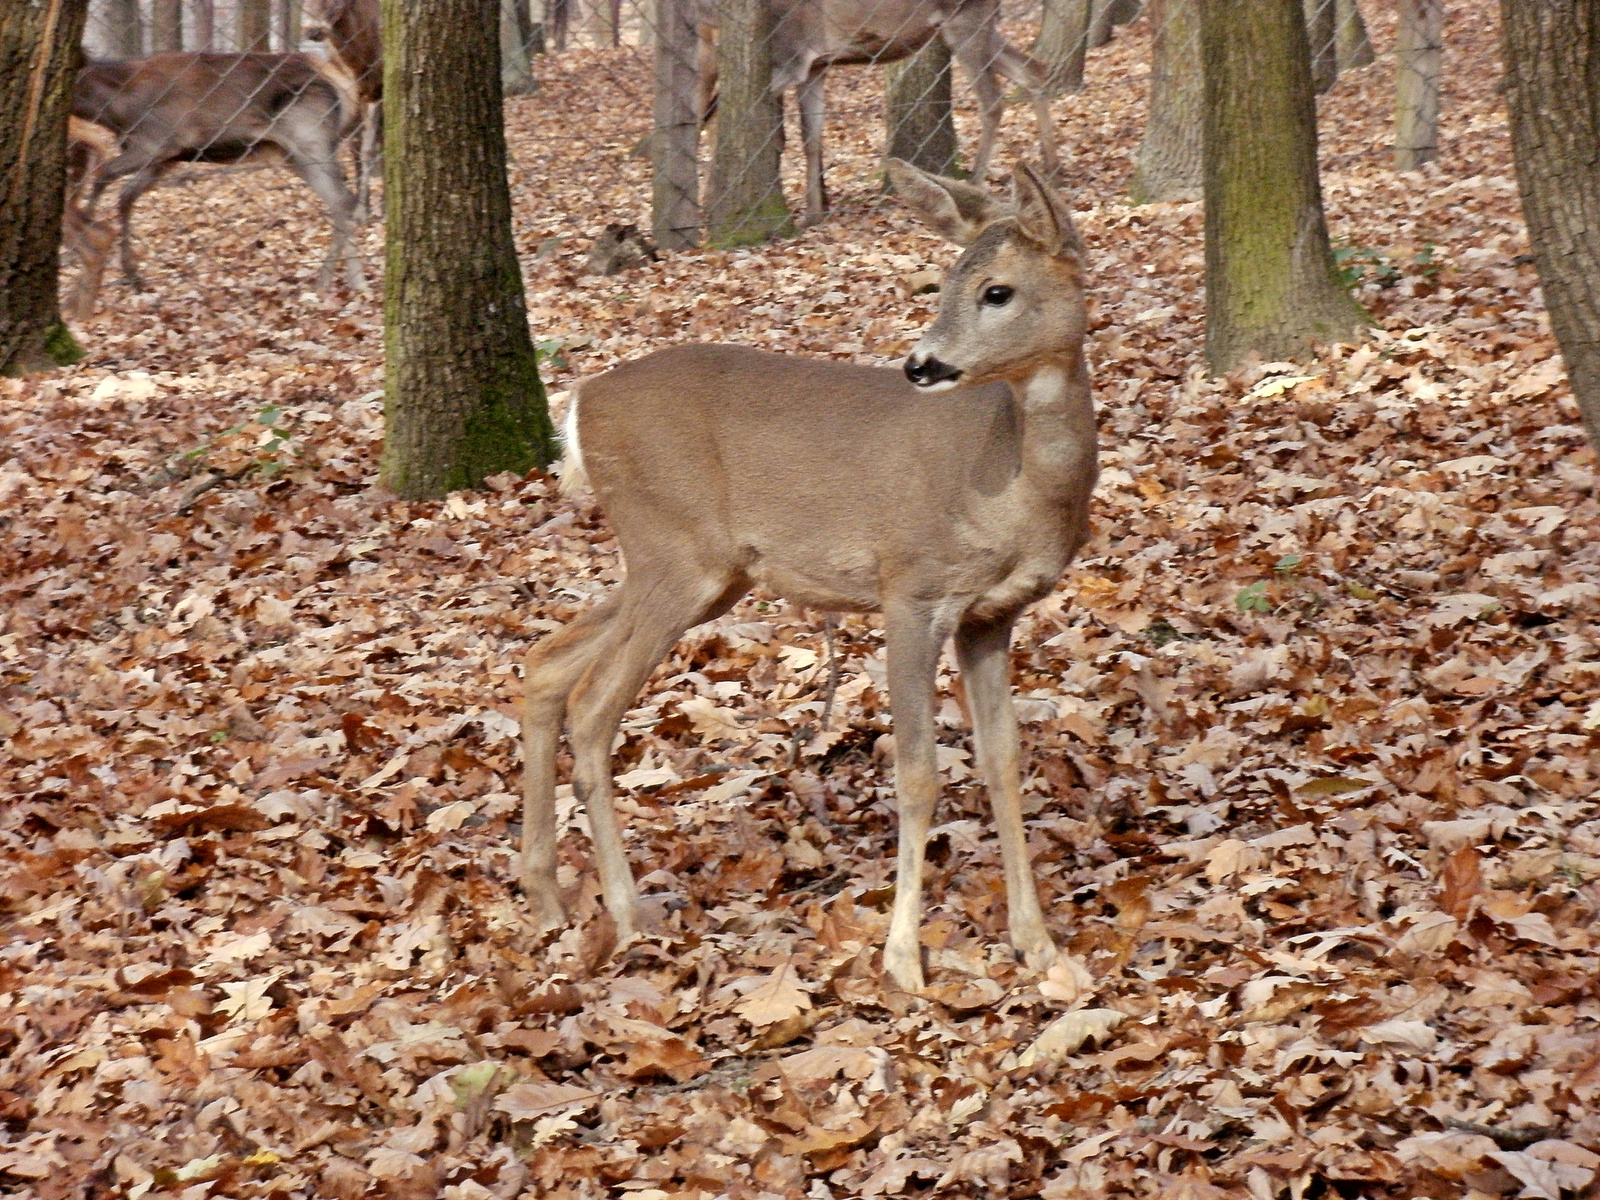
<point>1271,286</point>
<point>463,398</point>
<point>1170,166</point>
<point>1353,45</point>
<point>252,22</point>
<point>516,74</point>
<point>922,129</point>
<point>1322,35</point>
<point>675,146</point>
<point>1063,39</point>
<point>38,61</point>
<point>1418,57</point>
<point>166,25</point>
<point>205,25</point>
<point>1552,64</point>
<point>746,202</point>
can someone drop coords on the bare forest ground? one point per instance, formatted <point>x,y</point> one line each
<point>1311,734</point>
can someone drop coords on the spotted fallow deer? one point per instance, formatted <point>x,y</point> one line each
<point>950,495</point>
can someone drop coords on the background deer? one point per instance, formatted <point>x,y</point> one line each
<point>353,31</point>
<point>89,148</point>
<point>812,35</point>
<point>174,108</point>
<point>844,488</point>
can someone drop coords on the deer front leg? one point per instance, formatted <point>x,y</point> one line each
<point>810,100</point>
<point>982,650</point>
<point>914,640</point>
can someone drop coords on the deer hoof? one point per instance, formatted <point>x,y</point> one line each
<point>904,967</point>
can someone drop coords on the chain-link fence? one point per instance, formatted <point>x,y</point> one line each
<point>290,82</point>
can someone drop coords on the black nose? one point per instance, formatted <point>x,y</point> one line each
<point>930,370</point>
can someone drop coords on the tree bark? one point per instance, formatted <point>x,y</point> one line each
<point>675,147</point>
<point>287,19</point>
<point>252,24</point>
<point>1322,35</point>
<point>166,25</point>
<point>1271,285</point>
<point>118,26</point>
<point>516,73</point>
<point>1063,40</point>
<point>1552,65</point>
<point>462,394</point>
<point>205,24</point>
<point>1418,57</point>
<point>746,202</point>
<point>922,127</point>
<point>1170,166</point>
<point>1354,46</point>
<point>1106,15</point>
<point>558,19</point>
<point>39,59</point>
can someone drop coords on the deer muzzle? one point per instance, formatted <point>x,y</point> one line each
<point>929,373</point>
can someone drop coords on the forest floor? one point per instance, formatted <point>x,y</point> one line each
<point>1311,732</point>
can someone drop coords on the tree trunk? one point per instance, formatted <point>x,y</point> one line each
<point>462,394</point>
<point>1271,285</point>
<point>922,129</point>
<point>558,19</point>
<point>1170,163</point>
<point>1107,14</point>
<point>675,148</point>
<point>1418,56</point>
<point>1063,38</point>
<point>39,59</point>
<point>1354,47</point>
<point>746,202</point>
<point>1552,65</point>
<point>119,27</point>
<point>205,25</point>
<point>1322,34</point>
<point>166,25</point>
<point>252,22</point>
<point>287,20</point>
<point>516,74</point>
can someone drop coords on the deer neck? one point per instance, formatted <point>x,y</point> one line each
<point>1059,437</point>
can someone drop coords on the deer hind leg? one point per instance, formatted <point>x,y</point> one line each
<point>651,616</point>
<point>914,637</point>
<point>554,668</point>
<point>142,181</point>
<point>313,156</point>
<point>809,98</point>
<point>983,653</point>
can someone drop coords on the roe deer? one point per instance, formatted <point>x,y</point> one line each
<point>844,488</point>
<point>89,148</point>
<point>201,107</point>
<point>353,31</point>
<point>809,36</point>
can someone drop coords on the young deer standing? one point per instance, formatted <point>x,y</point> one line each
<point>844,488</point>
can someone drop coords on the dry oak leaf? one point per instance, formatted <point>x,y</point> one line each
<point>777,997</point>
<point>1546,1169</point>
<point>1449,1153</point>
<point>1065,1035</point>
<point>530,1101</point>
<point>827,1061</point>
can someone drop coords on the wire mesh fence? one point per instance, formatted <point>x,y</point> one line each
<point>251,83</point>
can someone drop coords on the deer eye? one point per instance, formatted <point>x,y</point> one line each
<point>997,294</point>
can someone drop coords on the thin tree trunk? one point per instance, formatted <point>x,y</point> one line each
<point>205,24</point>
<point>746,202</point>
<point>558,17</point>
<point>1552,64</point>
<point>1322,34</point>
<point>1063,39</point>
<point>120,28</point>
<point>1170,165</point>
<point>602,28</point>
<point>1418,57</point>
<point>675,147</point>
<point>1354,46</point>
<point>1271,285</point>
<point>516,75</point>
<point>462,394</point>
<point>287,20</point>
<point>922,129</point>
<point>39,59</point>
<point>252,23</point>
<point>166,25</point>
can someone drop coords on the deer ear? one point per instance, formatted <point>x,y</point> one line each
<point>954,209</point>
<point>1043,216</point>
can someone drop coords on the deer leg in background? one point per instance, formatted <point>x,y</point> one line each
<point>976,50</point>
<point>143,180</point>
<point>914,637</point>
<point>809,96</point>
<point>322,175</point>
<point>983,652</point>
<point>91,241</point>
<point>554,668</point>
<point>657,602</point>
<point>368,162</point>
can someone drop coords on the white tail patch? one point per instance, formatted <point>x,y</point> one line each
<point>574,478</point>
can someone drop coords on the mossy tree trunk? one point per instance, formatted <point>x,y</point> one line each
<point>1063,40</point>
<point>1552,62</point>
<point>1169,160</point>
<point>252,24</point>
<point>1418,58</point>
<point>922,128</point>
<point>462,394</point>
<point>1271,284</point>
<point>746,204</point>
<point>38,62</point>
